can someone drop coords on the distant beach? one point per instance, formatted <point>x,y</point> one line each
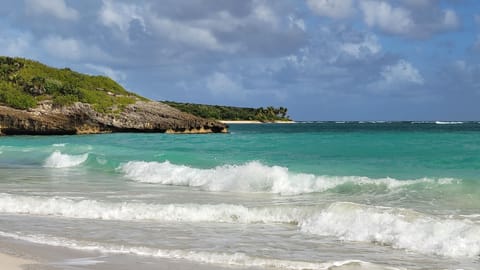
<point>253,122</point>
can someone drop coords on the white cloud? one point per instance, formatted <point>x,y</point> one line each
<point>56,8</point>
<point>367,47</point>
<point>401,72</point>
<point>187,34</point>
<point>337,9</point>
<point>411,18</point>
<point>450,20</point>
<point>394,20</point>
<point>71,49</point>
<point>107,71</point>
<point>221,85</point>
<point>264,13</point>
<point>294,22</point>
<point>119,15</point>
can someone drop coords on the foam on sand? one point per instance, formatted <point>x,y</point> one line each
<point>238,259</point>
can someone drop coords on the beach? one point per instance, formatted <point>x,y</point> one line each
<point>283,196</point>
<point>9,262</point>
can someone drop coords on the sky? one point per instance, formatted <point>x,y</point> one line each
<point>322,59</point>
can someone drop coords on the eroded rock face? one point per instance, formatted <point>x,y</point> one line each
<point>80,118</point>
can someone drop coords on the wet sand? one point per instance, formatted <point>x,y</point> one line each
<point>30,256</point>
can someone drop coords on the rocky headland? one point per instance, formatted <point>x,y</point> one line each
<point>39,100</point>
<point>81,118</point>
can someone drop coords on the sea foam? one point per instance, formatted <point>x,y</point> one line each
<point>399,228</point>
<point>238,259</point>
<point>395,227</point>
<point>92,209</point>
<point>253,177</point>
<point>59,160</point>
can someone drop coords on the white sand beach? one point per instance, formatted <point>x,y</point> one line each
<point>9,262</point>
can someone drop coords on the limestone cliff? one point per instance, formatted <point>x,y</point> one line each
<point>80,118</point>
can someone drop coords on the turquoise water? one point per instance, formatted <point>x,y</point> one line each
<point>293,196</point>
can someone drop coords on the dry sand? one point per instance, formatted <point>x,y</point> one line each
<point>8,262</point>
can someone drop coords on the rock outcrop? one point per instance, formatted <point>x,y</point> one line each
<point>81,118</point>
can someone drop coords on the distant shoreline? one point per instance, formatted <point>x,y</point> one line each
<point>253,122</point>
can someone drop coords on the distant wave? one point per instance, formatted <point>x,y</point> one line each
<point>448,123</point>
<point>395,227</point>
<point>238,259</point>
<point>59,160</point>
<point>59,144</point>
<point>253,177</point>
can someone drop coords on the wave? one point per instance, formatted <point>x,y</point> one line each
<point>254,177</point>
<point>92,209</point>
<point>448,122</point>
<point>399,228</point>
<point>59,160</point>
<point>59,144</point>
<point>238,259</point>
<point>395,227</point>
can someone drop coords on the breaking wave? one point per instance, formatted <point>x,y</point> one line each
<point>395,227</point>
<point>59,160</point>
<point>91,209</point>
<point>253,177</point>
<point>399,228</point>
<point>448,122</point>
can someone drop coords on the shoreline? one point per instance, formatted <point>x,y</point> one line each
<point>34,256</point>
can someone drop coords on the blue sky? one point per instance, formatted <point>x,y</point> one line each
<point>323,59</point>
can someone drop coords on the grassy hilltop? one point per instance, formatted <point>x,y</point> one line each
<point>24,83</point>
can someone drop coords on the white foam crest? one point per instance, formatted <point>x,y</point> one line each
<point>399,228</point>
<point>448,122</point>
<point>59,160</point>
<point>218,258</point>
<point>91,209</point>
<point>252,177</point>
<point>59,144</point>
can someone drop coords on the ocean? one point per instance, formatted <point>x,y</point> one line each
<point>323,195</point>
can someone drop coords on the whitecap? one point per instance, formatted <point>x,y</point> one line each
<point>448,122</point>
<point>59,144</point>
<point>253,177</point>
<point>399,228</point>
<point>59,160</point>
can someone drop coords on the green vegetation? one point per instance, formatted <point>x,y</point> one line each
<point>24,83</point>
<point>268,114</point>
